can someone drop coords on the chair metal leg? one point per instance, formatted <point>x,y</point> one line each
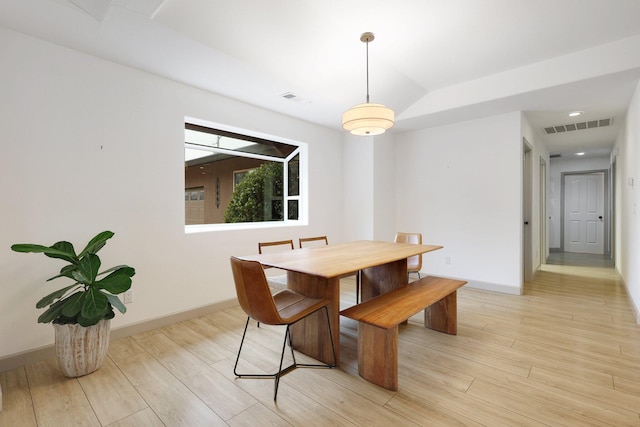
<point>240,349</point>
<point>287,338</point>
<point>281,372</point>
<point>409,274</point>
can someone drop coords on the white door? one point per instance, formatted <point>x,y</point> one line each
<point>584,213</point>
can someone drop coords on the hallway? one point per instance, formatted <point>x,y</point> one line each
<point>584,260</point>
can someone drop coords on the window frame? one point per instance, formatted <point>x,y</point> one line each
<point>302,198</point>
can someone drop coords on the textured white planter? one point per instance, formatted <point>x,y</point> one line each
<point>81,350</point>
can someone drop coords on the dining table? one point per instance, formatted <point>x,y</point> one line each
<point>316,272</point>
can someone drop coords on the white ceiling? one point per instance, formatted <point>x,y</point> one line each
<point>433,61</point>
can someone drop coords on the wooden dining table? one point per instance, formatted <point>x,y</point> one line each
<point>316,272</point>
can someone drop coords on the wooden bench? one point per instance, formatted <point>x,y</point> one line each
<point>379,318</point>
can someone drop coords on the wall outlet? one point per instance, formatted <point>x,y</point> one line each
<point>128,297</point>
<point>447,260</point>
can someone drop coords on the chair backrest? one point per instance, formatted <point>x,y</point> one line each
<point>414,263</point>
<point>282,243</point>
<point>303,240</point>
<point>253,291</point>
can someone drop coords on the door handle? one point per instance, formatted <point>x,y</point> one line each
<point>600,217</point>
<point>526,223</point>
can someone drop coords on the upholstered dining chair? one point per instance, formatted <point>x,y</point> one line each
<point>307,241</point>
<point>414,263</point>
<point>283,308</point>
<point>280,281</point>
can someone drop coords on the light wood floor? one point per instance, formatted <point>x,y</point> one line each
<point>567,352</point>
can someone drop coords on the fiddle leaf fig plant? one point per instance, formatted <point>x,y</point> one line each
<point>93,295</point>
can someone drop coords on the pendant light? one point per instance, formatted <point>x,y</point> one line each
<point>367,119</point>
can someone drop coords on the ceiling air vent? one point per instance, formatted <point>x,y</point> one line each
<point>554,156</point>
<point>591,124</point>
<point>293,97</point>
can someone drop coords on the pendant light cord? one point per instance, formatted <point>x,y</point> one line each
<point>367,43</point>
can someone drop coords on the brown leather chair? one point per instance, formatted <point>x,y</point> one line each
<point>414,263</point>
<point>303,240</point>
<point>280,281</point>
<point>283,308</point>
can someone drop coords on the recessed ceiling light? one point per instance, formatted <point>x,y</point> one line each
<point>580,154</point>
<point>575,113</point>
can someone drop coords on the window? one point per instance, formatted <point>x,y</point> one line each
<point>237,179</point>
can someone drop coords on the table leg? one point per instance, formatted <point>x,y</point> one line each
<point>311,335</point>
<point>383,278</point>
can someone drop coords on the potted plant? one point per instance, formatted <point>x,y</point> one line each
<point>81,312</point>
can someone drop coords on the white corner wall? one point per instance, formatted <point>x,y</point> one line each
<point>461,187</point>
<point>369,187</point>
<point>384,188</point>
<point>358,187</point>
<point>88,145</point>
<point>627,209</point>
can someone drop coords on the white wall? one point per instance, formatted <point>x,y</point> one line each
<point>461,187</point>
<point>357,190</point>
<point>627,251</point>
<point>539,153</point>
<point>88,145</point>
<point>558,167</point>
<point>384,188</point>
<point>369,187</point>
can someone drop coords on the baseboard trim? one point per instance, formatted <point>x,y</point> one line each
<point>46,352</point>
<point>635,308</point>
<point>494,287</point>
<point>486,286</point>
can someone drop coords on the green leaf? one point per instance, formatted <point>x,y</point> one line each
<point>114,283</point>
<point>53,296</point>
<point>95,305</point>
<point>66,271</point>
<point>78,276</point>
<point>64,320</point>
<point>115,301</point>
<point>83,321</point>
<point>87,269</point>
<point>69,253</point>
<point>60,251</point>
<point>73,304</point>
<point>96,243</point>
<point>131,273</point>
<point>52,313</point>
<point>118,281</point>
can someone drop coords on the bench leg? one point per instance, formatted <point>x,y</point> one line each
<point>378,355</point>
<point>442,316</point>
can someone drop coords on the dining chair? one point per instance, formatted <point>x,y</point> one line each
<point>307,241</point>
<point>283,308</point>
<point>414,263</point>
<point>280,281</point>
<point>262,245</point>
